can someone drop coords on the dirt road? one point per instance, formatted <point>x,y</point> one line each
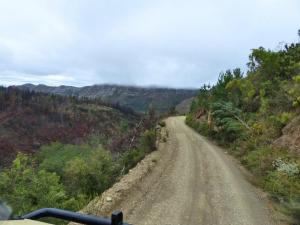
<point>194,182</point>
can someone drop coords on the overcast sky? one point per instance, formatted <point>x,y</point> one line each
<point>183,43</point>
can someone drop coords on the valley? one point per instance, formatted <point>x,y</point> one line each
<point>62,151</point>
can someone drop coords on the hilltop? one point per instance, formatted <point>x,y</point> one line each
<point>137,98</point>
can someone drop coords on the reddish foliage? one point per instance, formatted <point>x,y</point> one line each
<point>31,120</point>
<point>7,151</point>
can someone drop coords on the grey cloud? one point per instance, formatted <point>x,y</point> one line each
<point>160,42</point>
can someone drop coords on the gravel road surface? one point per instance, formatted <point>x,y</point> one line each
<point>194,183</point>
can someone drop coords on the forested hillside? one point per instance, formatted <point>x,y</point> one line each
<point>137,98</point>
<point>29,120</point>
<point>257,117</point>
<point>61,151</point>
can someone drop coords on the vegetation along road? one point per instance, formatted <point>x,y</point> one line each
<point>194,182</point>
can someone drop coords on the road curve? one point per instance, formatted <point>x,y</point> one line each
<point>194,183</point>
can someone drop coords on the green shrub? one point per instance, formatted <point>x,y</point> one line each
<point>292,207</point>
<point>229,121</point>
<point>283,186</point>
<point>26,189</point>
<point>76,174</point>
<point>130,158</point>
<point>89,176</point>
<point>124,126</point>
<point>201,127</point>
<point>262,160</point>
<point>162,123</point>
<point>285,117</point>
<point>148,140</point>
<point>279,121</point>
<point>189,120</point>
<point>204,129</point>
<point>53,157</point>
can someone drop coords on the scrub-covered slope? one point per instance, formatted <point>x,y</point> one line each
<point>28,120</point>
<point>256,115</point>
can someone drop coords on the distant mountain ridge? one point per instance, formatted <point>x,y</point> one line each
<point>137,98</point>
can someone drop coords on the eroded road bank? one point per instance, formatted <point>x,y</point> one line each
<point>193,182</point>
